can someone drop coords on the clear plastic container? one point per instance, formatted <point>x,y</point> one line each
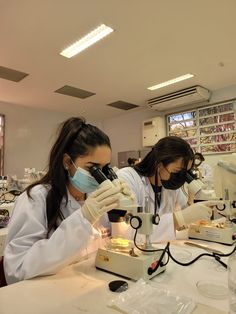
<point>146,297</point>
<point>212,289</point>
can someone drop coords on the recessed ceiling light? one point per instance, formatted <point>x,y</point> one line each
<point>86,41</point>
<point>173,81</point>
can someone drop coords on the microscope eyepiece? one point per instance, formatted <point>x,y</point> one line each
<point>97,173</point>
<point>190,176</point>
<point>109,172</point>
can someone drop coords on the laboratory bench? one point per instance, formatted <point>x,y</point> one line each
<point>81,288</point>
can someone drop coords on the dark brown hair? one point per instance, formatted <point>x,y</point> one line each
<point>166,150</point>
<point>76,138</point>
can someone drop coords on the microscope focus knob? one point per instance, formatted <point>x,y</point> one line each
<point>156,219</point>
<point>221,209</point>
<point>135,222</point>
<point>127,217</point>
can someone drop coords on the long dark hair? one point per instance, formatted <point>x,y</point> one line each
<point>166,150</point>
<point>76,138</point>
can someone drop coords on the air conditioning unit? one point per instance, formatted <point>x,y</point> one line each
<point>179,98</point>
<point>153,130</point>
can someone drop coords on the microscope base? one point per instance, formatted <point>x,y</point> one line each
<point>132,267</point>
<point>213,232</point>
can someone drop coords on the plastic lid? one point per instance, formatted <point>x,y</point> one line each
<point>212,289</point>
<point>118,285</point>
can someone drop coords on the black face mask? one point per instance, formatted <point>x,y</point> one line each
<point>176,180</point>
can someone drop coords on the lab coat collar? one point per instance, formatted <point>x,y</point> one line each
<point>148,188</point>
<point>71,201</point>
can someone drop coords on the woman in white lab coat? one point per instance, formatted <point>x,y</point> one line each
<point>159,176</point>
<point>53,221</point>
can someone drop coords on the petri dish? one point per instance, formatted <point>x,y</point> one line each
<point>212,289</point>
<point>118,244</point>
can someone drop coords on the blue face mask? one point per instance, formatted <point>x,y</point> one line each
<point>83,181</point>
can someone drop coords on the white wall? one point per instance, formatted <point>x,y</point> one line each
<point>29,134</point>
<point>28,137</point>
<point>225,93</point>
<point>125,131</point>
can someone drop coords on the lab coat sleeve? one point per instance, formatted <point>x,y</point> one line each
<point>28,253</point>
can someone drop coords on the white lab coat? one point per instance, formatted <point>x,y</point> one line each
<point>171,200</point>
<point>28,253</point>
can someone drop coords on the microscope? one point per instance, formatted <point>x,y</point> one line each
<point>197,188</point>
<point>221,230</point>
<point>122,256</point>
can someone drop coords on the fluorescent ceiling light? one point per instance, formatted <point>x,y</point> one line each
<point>88,40</point>
<point>173,81</point>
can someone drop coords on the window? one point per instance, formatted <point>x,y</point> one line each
<point>208,130</point>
